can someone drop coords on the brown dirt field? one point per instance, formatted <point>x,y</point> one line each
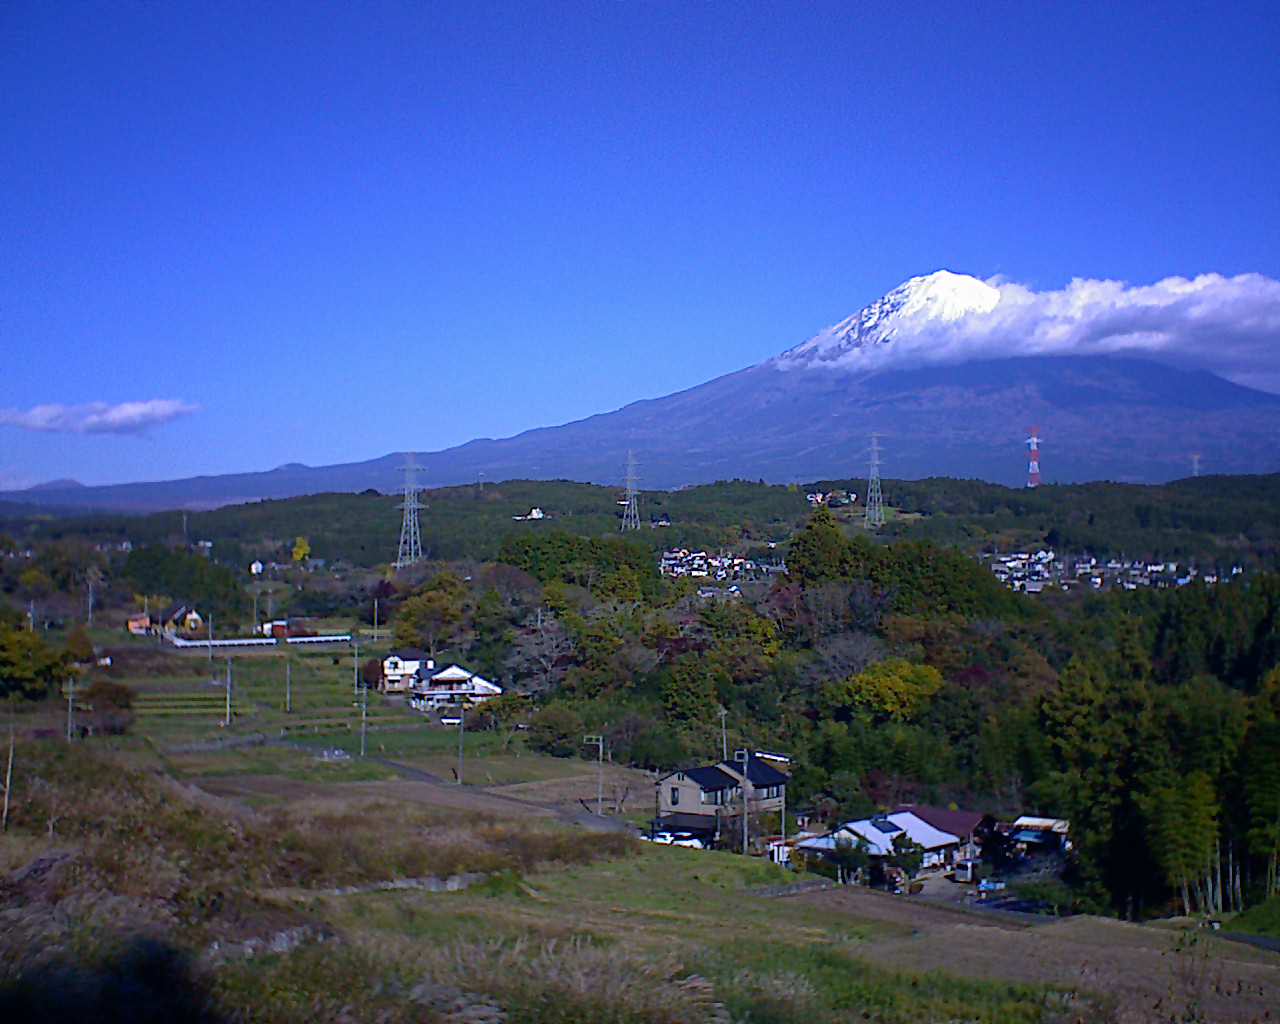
<point>257,788</point>
<point>1135,966</point>
<point>636,785</point>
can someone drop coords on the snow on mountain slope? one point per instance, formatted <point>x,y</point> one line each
<point>914,306</point>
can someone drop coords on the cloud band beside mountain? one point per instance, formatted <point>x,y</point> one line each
<point>1228,325</point>
<point>98,417</point>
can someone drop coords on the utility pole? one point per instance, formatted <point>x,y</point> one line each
<point>724,734</point>
<point>364,718</point>
<point>355,667</point>
<point>288,685</point>
<point>598,740</point>
<point>92,578</point>
<point>462,718</point>
<point>742,758</point>
<point>8,784</point>
<point>784,820</point>
<point>375,620</point>
<point>211,638</point>
<point>71,707</point>
<point>227,722</point>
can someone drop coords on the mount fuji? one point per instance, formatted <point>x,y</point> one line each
<point>919,366</point>
<point>911,309</point>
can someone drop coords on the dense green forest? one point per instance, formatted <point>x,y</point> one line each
<point>904,672</point>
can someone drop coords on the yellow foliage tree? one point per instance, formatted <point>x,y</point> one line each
<point>896,689</point>
<point>301,549</point>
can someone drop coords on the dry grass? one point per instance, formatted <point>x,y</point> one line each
<point>1149,974</point>
<point>163,855</point>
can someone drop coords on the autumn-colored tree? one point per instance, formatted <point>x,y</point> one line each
<point>430,619</point>
<point>29,668</point>
<point>79,645</point>
<point>894,689</point>
<point>301,549</point>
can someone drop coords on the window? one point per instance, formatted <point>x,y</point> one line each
<point>675,795</point>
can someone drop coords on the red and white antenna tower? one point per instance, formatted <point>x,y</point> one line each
<point>1033,456</point>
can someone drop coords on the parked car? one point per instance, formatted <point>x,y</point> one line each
<point>675,839</point>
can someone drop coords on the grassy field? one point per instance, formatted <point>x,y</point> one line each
<point>180,707</point>
<point>570,926</point>
<point>170,838</point>
<point>1264,919</point>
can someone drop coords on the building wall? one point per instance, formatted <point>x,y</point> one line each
<point>690,797</point>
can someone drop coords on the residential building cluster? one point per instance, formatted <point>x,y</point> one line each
<point>834,499</point>
<point>680,562</point>
<point>1034,571</point>
<point>946,839</point>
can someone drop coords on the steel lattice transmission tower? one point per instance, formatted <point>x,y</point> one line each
<point>1033,456</point>
<point>874,516</point>
<point>631,514</point>
<point>410,537</point>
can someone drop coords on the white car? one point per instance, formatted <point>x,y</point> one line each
<point>675,839</point>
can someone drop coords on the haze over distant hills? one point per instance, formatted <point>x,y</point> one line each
<point>918,366</point>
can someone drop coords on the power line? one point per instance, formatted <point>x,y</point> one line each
<point>597,741</point>
<point>874,515</point>
<point>410,538</point>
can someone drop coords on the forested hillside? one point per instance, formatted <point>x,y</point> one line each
<point>1211,520</point>
<point>892,668</point>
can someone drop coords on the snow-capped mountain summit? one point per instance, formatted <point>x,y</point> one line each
<point>931,300</point>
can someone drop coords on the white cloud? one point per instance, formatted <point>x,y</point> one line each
<point>1228,325</point>
<point>98,417</point>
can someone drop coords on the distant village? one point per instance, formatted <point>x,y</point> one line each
<point>1033,572</point>
<point>681,562</point>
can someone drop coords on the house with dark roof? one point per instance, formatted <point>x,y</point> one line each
<point>970,827</point>
<point>181,618</point>
<point>706,799</point>
<point>400,668</point>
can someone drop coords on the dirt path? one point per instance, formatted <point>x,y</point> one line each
<point>1138,966</point>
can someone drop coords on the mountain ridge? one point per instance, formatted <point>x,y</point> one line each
<point>808,413</point>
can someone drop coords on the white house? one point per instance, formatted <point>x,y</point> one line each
<point>256,568</point>
<point>877,835</point>
<point>450,687</point>
<point>401,666</point>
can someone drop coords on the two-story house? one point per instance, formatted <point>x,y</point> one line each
<point>401,666</point>
<point>707,801</point>
<point>450,687</point>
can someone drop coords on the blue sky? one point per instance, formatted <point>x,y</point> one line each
<point>337,231</point>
